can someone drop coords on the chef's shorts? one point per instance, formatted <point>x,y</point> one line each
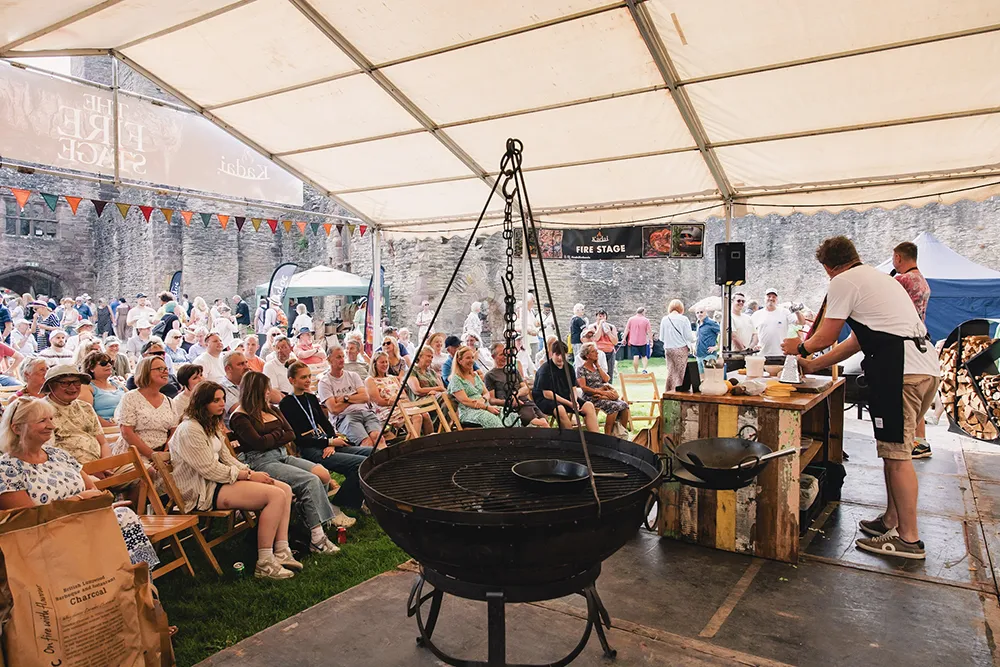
<point>918,394</point>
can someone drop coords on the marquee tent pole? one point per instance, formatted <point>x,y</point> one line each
<point>376,289</point>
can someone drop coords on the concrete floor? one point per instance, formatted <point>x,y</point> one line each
<point>677,604</point>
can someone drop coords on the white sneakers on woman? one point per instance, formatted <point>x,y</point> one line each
<point>287,560</point>
<point>271,568</point>
<point>324,547</point>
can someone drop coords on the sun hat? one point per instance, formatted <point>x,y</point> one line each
<point>63,370</point>
<point>84,323</point>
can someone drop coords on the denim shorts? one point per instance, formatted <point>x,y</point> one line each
<point>357,425</point>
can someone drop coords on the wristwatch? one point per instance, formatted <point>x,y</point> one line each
<point>803,352</point>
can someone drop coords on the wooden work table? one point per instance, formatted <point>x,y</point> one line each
<point>761,519</point>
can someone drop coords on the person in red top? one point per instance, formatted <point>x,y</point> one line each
<point>639,334</point>
<point>906,273</point>
<point>9,360</point>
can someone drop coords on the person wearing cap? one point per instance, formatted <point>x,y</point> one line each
<point>772,322</point>
<point>423,321</point>
<point>133,348</point>
<point>119,362</point>
<point>84,330</point>
<point>77,429</point>
<point>141,311</point>
<point>43,322</point>
<point>57,353</point>
<point>22,340</point>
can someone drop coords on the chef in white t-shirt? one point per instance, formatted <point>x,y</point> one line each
<point>902,370</point>
<point>772,322</point>
<point>744,332</point>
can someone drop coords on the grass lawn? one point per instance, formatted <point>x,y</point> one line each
<point>213,613</point>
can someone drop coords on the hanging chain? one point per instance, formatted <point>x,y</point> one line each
<point>512,383</point>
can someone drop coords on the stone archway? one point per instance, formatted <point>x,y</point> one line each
<point>33,279</point>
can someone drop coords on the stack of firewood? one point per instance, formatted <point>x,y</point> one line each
<point>973,415</point>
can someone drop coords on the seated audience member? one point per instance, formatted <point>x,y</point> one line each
<point>268,349</point>
<point>134,345</point>
<point>436,343</point>
<point>189,376</point>
<point>211,359</point>
<point>78,432</point>
<point>306,350</point>
<point>85,348</point>
<point>541,357</point>
<point>403,336</point>
<point>496,384</point>
<point>594,381</point>
<point>250,347</point>
<point>393,333</point>
<point>263,434</point>
<point>33,375</point>
<point>22,340</point>
<point>356,360</point>
<point>209,477</point>
<point>589,335</point>
<point>34,471</point>
<point>84,330</point>
<point>119,362</point>
<point>470,392</point>
<point>383,387</point>
<point>483,358</point>
<point>317,440</point>
<point>57,354</point>
<point>345,397</point>
<point>104,392</point>
<point>554,393</point>
<point>199,346</point>
<point>235,365</point>
<point>424,381</point>
<point>451,345</point>
<point>10,361</point>
<point>525,364</point>
<point>397,365</point>
<point>276,369</point>
<point>155,348</point>
<point>175,352</point>
<point>145,416</point>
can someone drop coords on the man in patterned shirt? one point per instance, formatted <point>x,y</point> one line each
<point>904,262</point>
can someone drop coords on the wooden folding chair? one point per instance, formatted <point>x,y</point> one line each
<point>161,460</point>
<point>449,408</point>
<point>7,395</point>
<point>127,468</point>
<point>427,405</point>
<point>641,382</point>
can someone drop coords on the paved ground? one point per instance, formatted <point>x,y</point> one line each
<point>679,604</point>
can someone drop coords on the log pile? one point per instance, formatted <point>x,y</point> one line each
<point>973,415</point>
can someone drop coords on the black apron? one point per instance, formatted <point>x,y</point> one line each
<point>883,367</point>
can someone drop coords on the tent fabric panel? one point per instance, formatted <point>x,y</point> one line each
<point>580,132</point>
<point>346,109</point>
<point>945,313</point>
<point>939,262</point>
<point>26,17</point>
<point>434,200</point>
<point>124,22</point>
<point>588,57</point>
<point>379,164</point>
<point>711,37</point>
<point>938,146</point>
<point>931,79</point>
<point>264,46</point>
<point>641,215</point>
<point>385,31</point>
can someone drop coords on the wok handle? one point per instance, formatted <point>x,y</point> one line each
<point>753,437</point>
<point>779,453</point>
<point>752,459</point>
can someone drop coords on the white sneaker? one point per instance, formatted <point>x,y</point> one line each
<point>287,560</point>
<point>326,547</point>
<point>343,521</point>
<point>271,569</point>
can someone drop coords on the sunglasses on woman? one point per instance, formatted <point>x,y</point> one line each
<point>104,363</point>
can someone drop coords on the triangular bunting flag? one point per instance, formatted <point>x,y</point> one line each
<point>350,229</point>
<point>340,227</point>
<point>146,211</point>
<point>21,196</point>
<point>223,220</point>
<point>256,224</point>
<point>123,209</point>
<point>273,224</point>
<point>187,217</point>
<point>168,213</point>
<point>287,224</point>
<point>99,206</point>
<point>327,227</point>
<point>314,226</point>
<point>364,228</point>
<point>301,226</point>
<point>50,200</point>
<point>73,202</point>
<point>205,219</point>
<point>239,223</point>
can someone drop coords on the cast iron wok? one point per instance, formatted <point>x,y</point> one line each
<point>555,475</point>
<point>724,461</point>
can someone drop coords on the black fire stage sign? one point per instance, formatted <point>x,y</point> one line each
<point>656,241</point>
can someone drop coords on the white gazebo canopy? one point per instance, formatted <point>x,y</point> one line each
<point>321,281</point>
<point>628,110</point>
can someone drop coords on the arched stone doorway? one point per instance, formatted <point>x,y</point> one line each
<point>35,280</point>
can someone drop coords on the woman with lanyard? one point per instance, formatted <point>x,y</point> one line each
<point>317,441</point>
<point>902,371</point>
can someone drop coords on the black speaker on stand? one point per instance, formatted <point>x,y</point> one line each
<point>730,269</point>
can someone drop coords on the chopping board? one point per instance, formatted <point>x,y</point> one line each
<point>812,385</point>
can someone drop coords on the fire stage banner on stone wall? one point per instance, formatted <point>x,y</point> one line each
<point>175,284</point>
<point>50,121</point>
<point>645,242</point>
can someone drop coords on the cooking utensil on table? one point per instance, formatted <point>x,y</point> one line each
<point>725,462</point>
<point>556,475</point>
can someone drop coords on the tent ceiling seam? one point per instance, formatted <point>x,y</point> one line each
<point>52,27</point>
<point>186,24</point>
<point>288,89</point>
<point>658,52</point>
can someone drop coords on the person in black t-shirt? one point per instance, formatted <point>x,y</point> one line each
<point>553,392</point>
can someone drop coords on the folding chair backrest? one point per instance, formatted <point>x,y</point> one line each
<point>453,423</point>
<point>165,468</point>
<point>637,381</point>
<point>425,405</point>
<point>125,468</point>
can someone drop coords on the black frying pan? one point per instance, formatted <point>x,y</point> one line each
<point>556,475</point>
<point>725,461</point>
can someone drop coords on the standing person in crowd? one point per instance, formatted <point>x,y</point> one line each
<point>142,311</point>
<point>276,371</point>
<point>201,316</point>
<point>548,327</point>
<point>904,263</point>
<point>525,364</point>
<point>306,350</point>
<point>437,344</point>
<point>225,326</point>
<point>424,381</point>
<point>606,338</point>
<point>677,336</point>
<point>383,386</point>
<point>554,393</point>
<point>134,345</point>
<point>146,417</point>
<point>317,441</point>
<point>772,323</point>
<point>345,397</point>
<point>123,330</point>
<point>104,392</point>
<point>174,350</point>
<point>576,326</point>
<point>169,311</point>
<point>302,319</point>
<point>263,433</point>
<point>473,324</point>
<point>33,372</point>
<point>211,359</point>
<point>119,362</point>
<point>34,472</point>
<point>214,310</point>
<point>70,317</point>
<point>744,333</point>
<point>43,323</point>
<point>209,477</point>
<point>356,359</point>
<point>423,321</point>
<point>22,340</point>
<point>280,319</point>
<point>78,431</point>
<point>469,390</point>
<point>409,349</point>
<point>263,318</point>
<point>708,338</point>
<point>526,412</point>
<point>250,344</point>
<point>752,307</point>
<point>105,319</point>
<point>594,382</point>
<point>57,353</point>
<point>360,315</point>
<point>639,333</point>
<point>527,323</point>
<point>83,307</point>
<point>588,337</point>
<point>242,315</point>
<point>902,369</point>
<point>6,323</point>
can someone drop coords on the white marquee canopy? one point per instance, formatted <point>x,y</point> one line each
<point>628,110</point>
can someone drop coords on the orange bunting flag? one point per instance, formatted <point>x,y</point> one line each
<point>287,224</point>
<point>187,216</point>
<point>21,196</point>
<point>273,224</point>
<point>123,209</point>
<point>146,211</point>
<point>223,220</point>
<point>73,202</point>
<point>327,227</point>
<point>301,226</point>
<point>256,224</point>
<point>167,213</point>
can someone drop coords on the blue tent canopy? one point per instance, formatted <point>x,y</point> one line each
<point>960,289</point>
